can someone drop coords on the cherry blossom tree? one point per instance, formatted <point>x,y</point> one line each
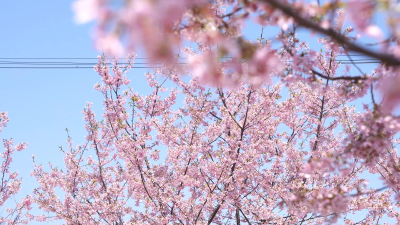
<point>10,184</point>
<point>219,141</point>
<point>247,154</point>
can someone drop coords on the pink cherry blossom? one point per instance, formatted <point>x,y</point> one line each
<point>226,159</point>
<point>10,184</point>
<point>243,132</point>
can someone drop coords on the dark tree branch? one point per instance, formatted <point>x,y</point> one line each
<point>338,78</point>
<point>286,9</point>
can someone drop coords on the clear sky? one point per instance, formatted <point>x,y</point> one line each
<point>41,103</point>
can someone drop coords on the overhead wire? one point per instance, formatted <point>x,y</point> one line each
<point>123,58</point>
<point>55,63</point>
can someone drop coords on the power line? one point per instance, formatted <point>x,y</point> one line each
<point>149,64</point>
<point>133,67</point>
<point>55,58</point>
<point>46,63</point>
<point>63,62</point>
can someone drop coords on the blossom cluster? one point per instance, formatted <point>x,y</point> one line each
<point>10,184</point>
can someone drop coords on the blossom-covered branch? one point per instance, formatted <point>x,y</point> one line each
<point>9,183</point>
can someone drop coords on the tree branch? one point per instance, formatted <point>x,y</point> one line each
<point>338,78</point>
<point>286,9</point>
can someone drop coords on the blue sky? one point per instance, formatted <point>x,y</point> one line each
<point>42,103</point>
